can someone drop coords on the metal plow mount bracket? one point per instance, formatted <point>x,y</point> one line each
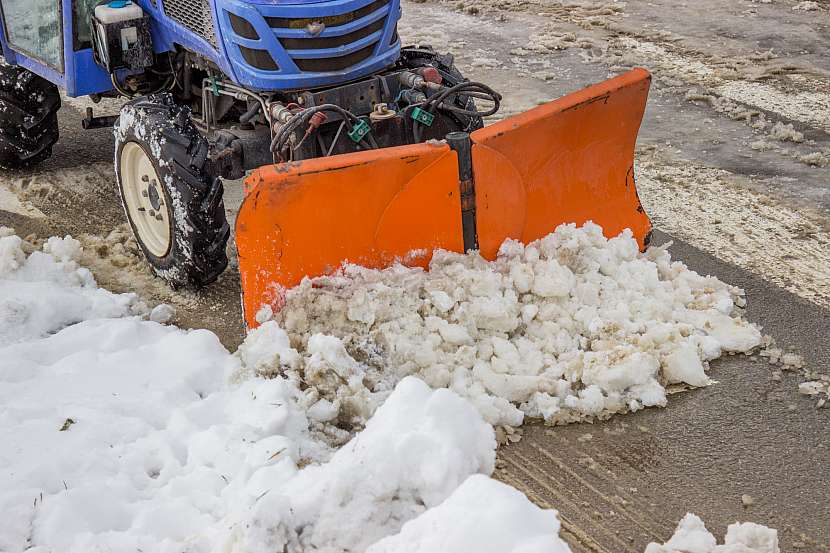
<point>568,161</point>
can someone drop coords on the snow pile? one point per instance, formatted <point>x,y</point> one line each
<point>101,436</point>
<point>47,290</point>
<point>807,6</point>
<point>570,327</point>
<point>424,454</point>
<point>784,132</point>
<point>459,524</point>
<point>692,536</point>
<point>122,434</point>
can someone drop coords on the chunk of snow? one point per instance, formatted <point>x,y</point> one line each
<point>786,132</point>
<point>511,524</point>
<point>691,536</point>
<point>569,327</point>
<point>755,538</point>
<point>684,365</point>
<point>162,313</point>
<point>414,453</point>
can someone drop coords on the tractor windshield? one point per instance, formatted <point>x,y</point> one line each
<point>34,28</point>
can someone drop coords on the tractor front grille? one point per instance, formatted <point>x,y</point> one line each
<point>295,45</point>
<point>195,15</point>
<point>334,41</point>
<point>328,21</point>
<point>338,63</point>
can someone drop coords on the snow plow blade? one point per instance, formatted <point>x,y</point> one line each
<point>568,161</point>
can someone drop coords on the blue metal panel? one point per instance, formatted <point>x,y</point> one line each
<point>82,76</point>
<point>288,76</point>
<point>38,68</point>
<point>87,76</point>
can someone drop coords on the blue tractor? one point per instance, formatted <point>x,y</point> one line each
<point>216,88</point>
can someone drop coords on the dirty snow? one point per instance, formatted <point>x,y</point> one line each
<point>44,291</point>
<point>123,434</point>
<point>691,536</point>
<point>571,327</point>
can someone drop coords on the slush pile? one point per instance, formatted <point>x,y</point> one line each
<point>570,327</point>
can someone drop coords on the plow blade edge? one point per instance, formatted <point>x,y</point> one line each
<point>568,161</point>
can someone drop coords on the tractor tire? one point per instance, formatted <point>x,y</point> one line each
<point>413,57</point>
<point>174,206</point>
<point>29,108</point>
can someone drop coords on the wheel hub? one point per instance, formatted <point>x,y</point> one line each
<point>145,204</point>
<point>153,195</point>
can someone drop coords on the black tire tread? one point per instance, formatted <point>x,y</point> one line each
<point>198,255</point>
<point>29,106</point>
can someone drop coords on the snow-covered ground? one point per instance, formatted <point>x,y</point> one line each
<point>123,434</point>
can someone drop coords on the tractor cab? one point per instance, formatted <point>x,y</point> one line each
<point>53,39</point>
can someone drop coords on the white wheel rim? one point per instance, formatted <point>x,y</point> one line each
<point>145,199</point>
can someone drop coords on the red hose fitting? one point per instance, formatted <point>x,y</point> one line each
<point>431,75</point>
<point>317,119</point>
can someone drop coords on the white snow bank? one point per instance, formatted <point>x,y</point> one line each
<point>98,429</point>
<point>414,453</point>
<point>691,536</point>
<point>47,290</point>
<point>570,327</point>
<point>512,523</point>
<point>123,435</point>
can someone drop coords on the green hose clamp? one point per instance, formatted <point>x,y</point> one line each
<point>423,117</point>
<point>359,131</point>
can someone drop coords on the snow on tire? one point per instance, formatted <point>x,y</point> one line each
<point>175,192</point>
<point>29,108</point>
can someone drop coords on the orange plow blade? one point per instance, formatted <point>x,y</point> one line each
<point>570,160</point>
